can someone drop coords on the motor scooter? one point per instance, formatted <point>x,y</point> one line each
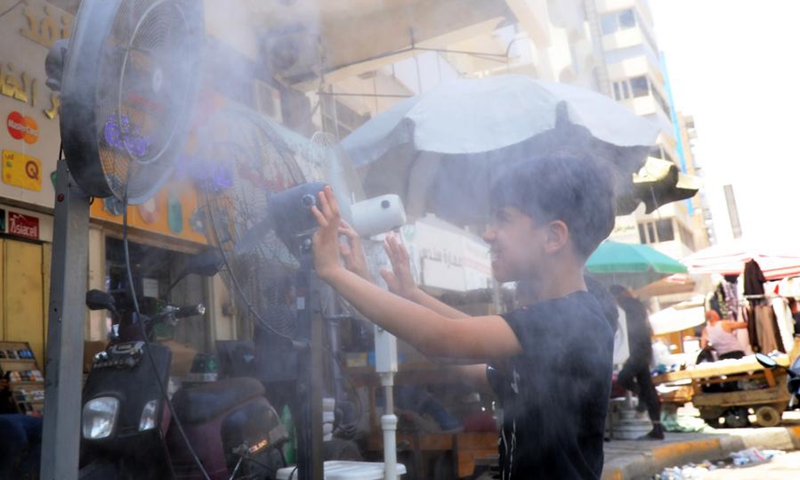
<point>793,372</point>
<point>128,431</point>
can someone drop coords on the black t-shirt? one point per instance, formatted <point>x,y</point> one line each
<point>555,394</point>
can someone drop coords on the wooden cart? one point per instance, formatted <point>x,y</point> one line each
<point>768,403</point>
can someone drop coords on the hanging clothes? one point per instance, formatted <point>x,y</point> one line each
<point>767,326</point>
<point>731,292</point>
<point>719,294</point>
<point>785,322</point>
<point>747,314</point>
<point>753,279</point>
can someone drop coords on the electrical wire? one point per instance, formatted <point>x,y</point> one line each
<point>9,9</point>
<point>346,376</point>
<point>132,287</point>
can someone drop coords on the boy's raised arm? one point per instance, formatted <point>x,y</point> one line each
<point>430,332</point>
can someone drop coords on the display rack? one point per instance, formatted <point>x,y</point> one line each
<point>27,381</point>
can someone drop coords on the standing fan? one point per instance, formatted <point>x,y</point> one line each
<point>127,91</point>
<point>258,211</point>
<point>127,81</point>
<point>260,182</point>
<point>242,163</point>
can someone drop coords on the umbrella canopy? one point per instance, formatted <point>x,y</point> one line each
<point>440,151</point>
<point>612,257</point>
<point>630,264</point>
<point>776,261</point>
<point>671,285</point>
<point>682,316</point>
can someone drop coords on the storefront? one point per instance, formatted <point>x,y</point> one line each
<point>162,231</point>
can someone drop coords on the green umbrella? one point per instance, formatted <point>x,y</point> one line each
<point>631,264</point>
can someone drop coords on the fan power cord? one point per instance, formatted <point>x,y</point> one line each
<point>9,9</point>
<point>161,385</point>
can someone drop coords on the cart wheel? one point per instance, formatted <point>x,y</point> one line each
<point>767,416</point>
<point>711,416</point>
<point>736,417</point>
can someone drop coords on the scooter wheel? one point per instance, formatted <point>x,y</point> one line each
<point>767,416</point>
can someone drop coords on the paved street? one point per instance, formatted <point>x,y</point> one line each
<point>782,467</point>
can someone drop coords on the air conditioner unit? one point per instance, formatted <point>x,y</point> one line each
<point>268,100</point>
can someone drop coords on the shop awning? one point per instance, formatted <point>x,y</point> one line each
<point>775,259</point>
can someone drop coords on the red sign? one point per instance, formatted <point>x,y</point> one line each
<point>23,225</point>
<point>22,128</point>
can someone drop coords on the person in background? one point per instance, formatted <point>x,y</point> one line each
<point>635,373</point>
<point>20,439</point>
<point>795,309</point>
<point>719,333</point>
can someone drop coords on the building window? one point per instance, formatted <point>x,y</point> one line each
<point>651,232</point>
<point>640,86</point>
<point>656,231</point>
<point>613,22</point>
<point>626,19</point>
<point>617,93</point>
<point>608,23</point>
<point>665,230</point>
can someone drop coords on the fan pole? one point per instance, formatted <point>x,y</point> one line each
<point>65,331</point>
<point>310,464</point>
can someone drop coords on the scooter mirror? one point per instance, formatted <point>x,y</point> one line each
<point>766,361</point>
<point>206,264</point>
<point>99,300</point>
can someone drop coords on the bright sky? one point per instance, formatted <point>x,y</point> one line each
<point>735,66</point>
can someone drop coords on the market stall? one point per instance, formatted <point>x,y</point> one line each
<point>761,389</point>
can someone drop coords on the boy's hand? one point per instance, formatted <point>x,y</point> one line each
<point>326,238</point>
<point>352,252</point>
<point>399,280</point>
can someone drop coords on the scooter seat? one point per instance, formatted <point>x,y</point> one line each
<point>202,404</point>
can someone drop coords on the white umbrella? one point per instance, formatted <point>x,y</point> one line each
<point>441,150</point>
<point>682,316</point>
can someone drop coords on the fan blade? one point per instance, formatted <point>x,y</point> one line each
<point>251,238</point>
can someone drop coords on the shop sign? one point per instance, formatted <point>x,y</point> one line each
<point>22,128</point>
<point>2,221</point>
<point>22,170</point>
<point>450,258</point>
<point>24,226</point>
<point>45,24</point>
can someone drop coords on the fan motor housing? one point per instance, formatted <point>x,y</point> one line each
<point>88,89</point>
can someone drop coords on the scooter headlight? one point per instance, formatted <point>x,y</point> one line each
<point>99,417</point>
<point>148,420</point>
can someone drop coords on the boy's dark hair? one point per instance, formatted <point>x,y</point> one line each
<point>575,189</point>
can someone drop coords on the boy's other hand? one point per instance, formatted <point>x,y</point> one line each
<point>399,280</point>
<point>326,238</point>
<point>352,252</point>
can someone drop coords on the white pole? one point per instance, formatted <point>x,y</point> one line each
<point>386,366</point>
<point>389,426</point>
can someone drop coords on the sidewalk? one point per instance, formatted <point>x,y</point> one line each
<point>634,460</point>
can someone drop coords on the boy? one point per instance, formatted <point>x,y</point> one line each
<point>551,361</point>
